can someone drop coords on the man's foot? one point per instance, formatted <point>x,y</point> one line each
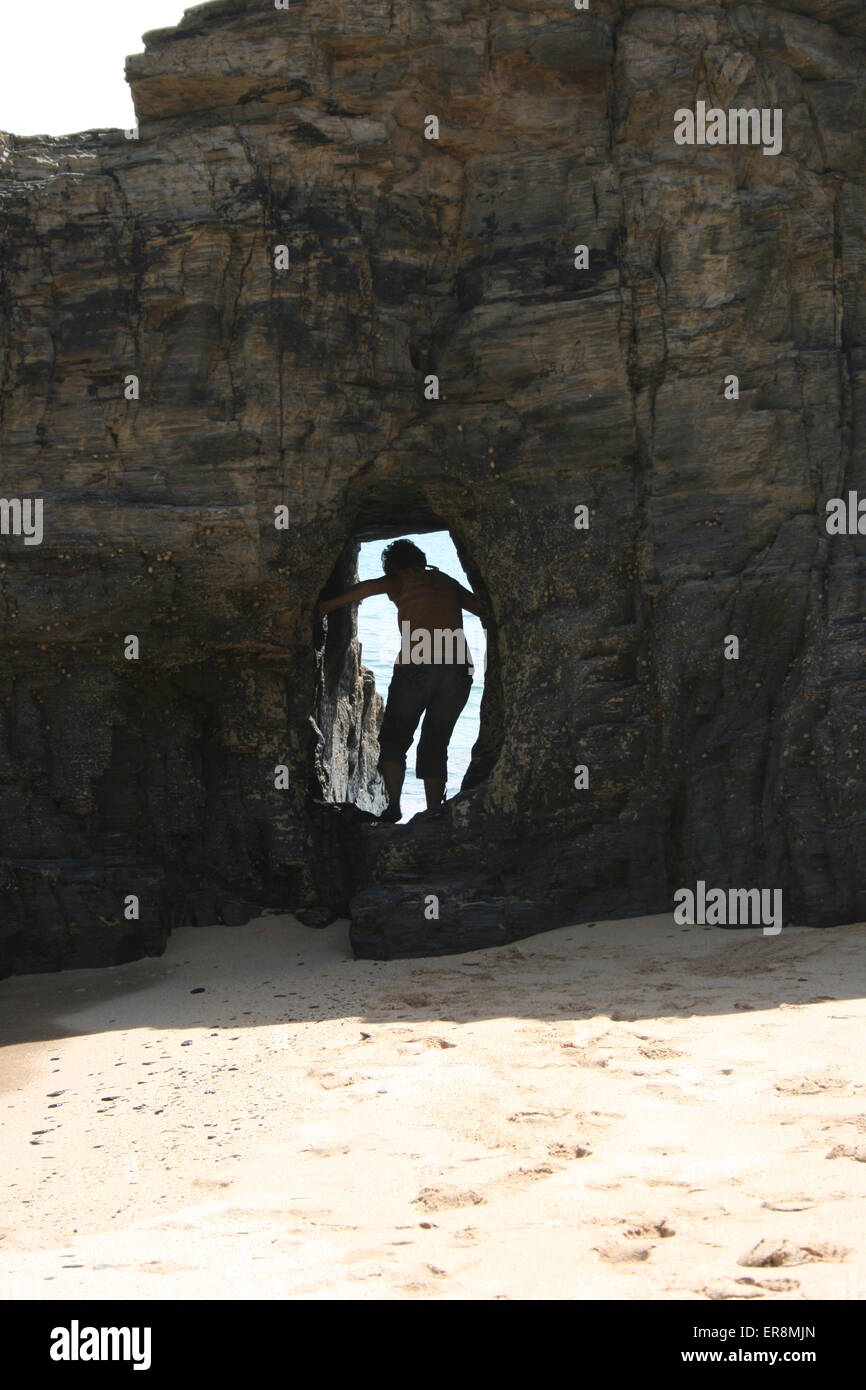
<point>392,813</point>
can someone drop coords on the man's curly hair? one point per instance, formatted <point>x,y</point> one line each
<point>402,555</point>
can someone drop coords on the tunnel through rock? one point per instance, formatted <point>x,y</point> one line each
<point>348,706</point>
<point>381,642</point>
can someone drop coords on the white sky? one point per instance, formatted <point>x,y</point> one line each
<point>61,61</point>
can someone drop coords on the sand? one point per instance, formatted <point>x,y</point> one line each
<point>619,1110</point>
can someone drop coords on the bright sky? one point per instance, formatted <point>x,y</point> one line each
<point>61,61</point>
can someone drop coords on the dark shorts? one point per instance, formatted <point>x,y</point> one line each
<point>441,690</point>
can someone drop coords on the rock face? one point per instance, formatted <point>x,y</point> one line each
<point>562,385</point>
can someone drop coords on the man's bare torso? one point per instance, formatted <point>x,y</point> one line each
<point>427,600</point>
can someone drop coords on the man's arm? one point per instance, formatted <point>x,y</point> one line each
<point>365,589</point>
<point>469,600</point>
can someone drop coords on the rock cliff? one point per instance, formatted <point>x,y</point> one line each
<point>215,339</point>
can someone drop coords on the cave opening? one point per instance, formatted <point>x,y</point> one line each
<point>355,653</point>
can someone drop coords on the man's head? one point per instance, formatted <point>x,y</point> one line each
<point>402,555</point>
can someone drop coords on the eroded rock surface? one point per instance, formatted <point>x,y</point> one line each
<point>154,257</point>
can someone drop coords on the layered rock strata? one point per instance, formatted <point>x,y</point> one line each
<point>169,379</point>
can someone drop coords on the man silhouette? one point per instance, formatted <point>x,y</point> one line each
<point>432,674</point>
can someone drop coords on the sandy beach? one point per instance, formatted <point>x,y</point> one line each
<point>617,1110</point>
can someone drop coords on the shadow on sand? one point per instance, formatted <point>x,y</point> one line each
<point>274,971</point>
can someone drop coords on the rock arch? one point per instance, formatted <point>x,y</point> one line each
<point>559,387</point>
<point>344,698</point>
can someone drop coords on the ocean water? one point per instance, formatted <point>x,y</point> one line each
<point>379,636</point>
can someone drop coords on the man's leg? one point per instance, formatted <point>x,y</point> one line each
<point>434,790</point>
<point>449,694</point>
<point>406,697</point>
<point>393,773</point>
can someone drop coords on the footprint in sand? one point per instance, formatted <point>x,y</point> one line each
<point>569,1150</point>
<point>811,1085</point>
<point>330,1081</point>
<point>624,1254</point>
<point>443,1198</point>
<point>855,1151</point>
<point>405,999</point>
<point>729,1289</point>
<point>418,1288</point>
<point>643,1227</point>
<point>773,1253</point>
<point>634,1246</point>
<point>412,1045</point>
<point>774,1285</point>
<point>522,1177</point>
